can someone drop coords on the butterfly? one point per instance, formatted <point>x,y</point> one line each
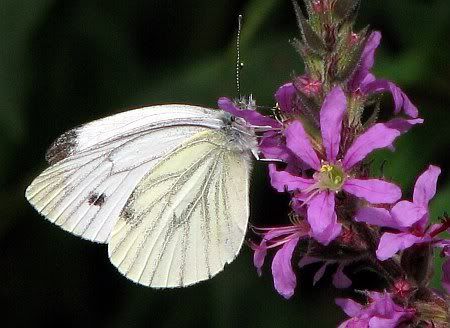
<point>165,187</point>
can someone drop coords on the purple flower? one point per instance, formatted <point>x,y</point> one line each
<point>380,312</point>
<point>365,83</point>
<point>333,175</point>
<point>285,239</point>
<point>409,219</point>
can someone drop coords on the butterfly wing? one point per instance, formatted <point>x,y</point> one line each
<point>95,168</point>
<point>187,218</point>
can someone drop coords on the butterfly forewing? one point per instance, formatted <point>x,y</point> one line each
<point>187,217</point>
<point>95,168</point>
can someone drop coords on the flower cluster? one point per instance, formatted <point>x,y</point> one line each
<point>326,126</point>
<point>381,311</point>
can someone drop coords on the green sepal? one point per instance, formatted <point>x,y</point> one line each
<point>349,55</point>
<point>348,62</point>
<point>346,10</point>
<point>313,62</point>
<point>375,113</point>
<point>309,8</point>
<point>310,38</point>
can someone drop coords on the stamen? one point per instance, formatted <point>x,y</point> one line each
<point>331,176</point>
<point>311,197</point>
<point>326,168</point>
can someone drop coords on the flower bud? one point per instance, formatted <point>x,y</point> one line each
<point>320,6</point>
<point>308,86</point>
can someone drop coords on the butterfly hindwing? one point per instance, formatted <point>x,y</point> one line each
<point>187,218</point>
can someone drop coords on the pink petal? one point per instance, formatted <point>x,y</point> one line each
<point>394,321</point>
<point>284,277</point>
<point>297,140</point>
<point>381,304</point>
<point>446,275</point>
<point>401,100</point>
<point>297,204</point>
<point>376,137</point>
<point>285,98</point>
<point>368,79</point>
<point>330,233</point>
<point>273,146</point>
<point>408,107</point>
<point>406,214</point>
<point>403,125</point>
<point>376,216</point>
<point>260,251</point>
<point>340,279</point>
<point>373,190</point>
<point>384,312</point>
<point>307,260</point>
<point>379,322</point>
<point>367,60</point>
<point>259,257</point>
<point>283,181</point>
<point>391,243</point>
<point>350,307</point>
<point>355,323</point>
<point>319,274</point>
<point>250,116</point>
<point>322,217</point>
<point>425,187</point>
<point>331,115</point>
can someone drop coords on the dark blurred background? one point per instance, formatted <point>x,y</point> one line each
<point>63,63</point>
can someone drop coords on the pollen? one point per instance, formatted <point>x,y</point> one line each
<point>326,168</point>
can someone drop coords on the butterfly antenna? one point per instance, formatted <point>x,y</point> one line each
<point>239,64</point>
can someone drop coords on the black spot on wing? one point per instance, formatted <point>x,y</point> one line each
<point>62,147</point>
<point>129,216</point>
<point>96,199</point>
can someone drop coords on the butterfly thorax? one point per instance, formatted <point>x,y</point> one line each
<point>241,136</point>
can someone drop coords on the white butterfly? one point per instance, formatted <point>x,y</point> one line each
<point>166,187</point>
